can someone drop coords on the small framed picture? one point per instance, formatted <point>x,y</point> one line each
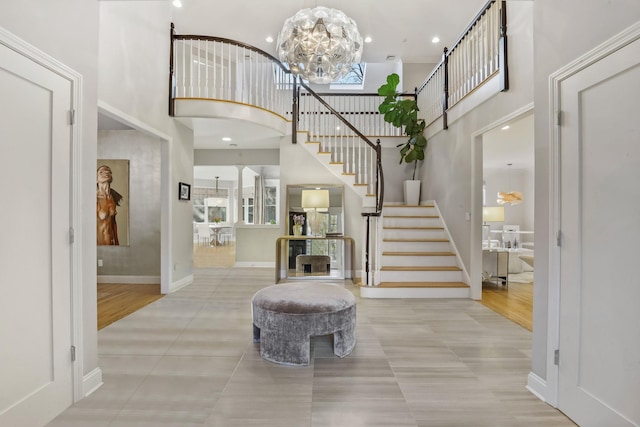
<point>184,191</point>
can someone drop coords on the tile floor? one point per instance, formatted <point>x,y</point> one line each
<point>188,360</point>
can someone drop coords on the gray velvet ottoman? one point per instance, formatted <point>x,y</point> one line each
<point>286,316</point>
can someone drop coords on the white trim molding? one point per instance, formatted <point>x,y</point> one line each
<point>537,386</point>
<point>137,280</point>
<point>179,284</point>
<point>91,382</point>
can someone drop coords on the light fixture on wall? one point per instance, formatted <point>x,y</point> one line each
<point>314,201</point>
<point>320,44</point>
<point>509,197</point>
<point>491,214</point>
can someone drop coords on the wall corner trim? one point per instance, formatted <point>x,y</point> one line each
<point>537,386</point>
<point>91,382</point>
<point>179,284</point>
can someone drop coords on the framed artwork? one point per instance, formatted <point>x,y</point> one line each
<point>112,202</point>
<point>184,191</point>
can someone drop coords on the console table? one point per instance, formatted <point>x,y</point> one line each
<point>282,259</point>
<point>496,262</point>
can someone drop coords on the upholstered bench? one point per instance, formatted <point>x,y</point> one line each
<point>286,316</point>
<point>313,264</point>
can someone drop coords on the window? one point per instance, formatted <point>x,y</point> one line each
<point>210,205</point>
<point>353,80</point>
<point>247,209</point>
<point>270,205</point>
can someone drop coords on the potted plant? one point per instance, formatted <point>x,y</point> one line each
<point>404,112</point>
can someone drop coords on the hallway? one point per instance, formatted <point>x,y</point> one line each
<point>188,360</point>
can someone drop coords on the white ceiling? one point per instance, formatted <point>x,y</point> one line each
<point>513,145</point>
<point>402,28</point>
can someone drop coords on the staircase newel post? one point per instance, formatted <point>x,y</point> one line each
<point>445,89</point>
<point>379,177</point>
<point>295,111</point>
<point>172,93</point>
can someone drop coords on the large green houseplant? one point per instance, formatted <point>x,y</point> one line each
<point>403,112</point>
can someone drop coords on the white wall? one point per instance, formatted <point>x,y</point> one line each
<point>67,31</point>
<point>446,171</point>
<point>563,31</point>
<point>134,60</point>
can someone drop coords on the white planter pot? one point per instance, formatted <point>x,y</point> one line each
<point>412,192</point>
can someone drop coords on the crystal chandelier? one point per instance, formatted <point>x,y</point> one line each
<point>320,44</point>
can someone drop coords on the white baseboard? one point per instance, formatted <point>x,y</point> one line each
<point>537,386</point>
<point>138,280</point>
<point>263,264</point>
<point>91,382</point>
<point>185,281</point>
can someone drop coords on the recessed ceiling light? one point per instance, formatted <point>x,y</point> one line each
<point>269,39</point>
<point>505,127</point>
<point>226,138</point>
<point>436,39</point>
<point>368,39</point>
<point>391,57</point>
<point>233,145</point>
<point>177,3</point>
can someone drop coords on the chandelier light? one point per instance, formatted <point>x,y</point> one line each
<point>320,44</point>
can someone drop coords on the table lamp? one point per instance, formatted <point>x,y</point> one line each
<point>315,201</point>
<point>491,214</point>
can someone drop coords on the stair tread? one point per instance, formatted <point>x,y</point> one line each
<point>418,254</point>
<point>439,268</point>
<point>411,216</point>
<point>413,228</point>
<point>325,152</point>
<point>422,285</point>
<point>415,240</point>
<point>312,142</point>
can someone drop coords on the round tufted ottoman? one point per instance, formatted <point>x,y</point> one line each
<point>286,316</point>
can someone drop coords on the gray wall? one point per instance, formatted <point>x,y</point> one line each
<point>142,256</point>
<point>564,30</point>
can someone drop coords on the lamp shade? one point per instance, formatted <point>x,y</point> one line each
<point>493,213</point>
<point>315,199</point>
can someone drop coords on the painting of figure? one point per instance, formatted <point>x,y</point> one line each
<point>112,202</point>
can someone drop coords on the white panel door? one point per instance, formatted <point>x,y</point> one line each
<point>35,306</point>
<point>599,370</point>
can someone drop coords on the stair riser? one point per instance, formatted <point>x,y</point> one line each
<point>403,211</point>
<point>421,276</point>
<point>375,292</point>
<point>411,222</point>
<point>416,246</point>
<point>419,261</point>
<point>413,234</point>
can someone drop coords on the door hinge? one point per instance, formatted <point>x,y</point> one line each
<point>72,117</point>
<point>73,353</point>
<point>558,238</point>
<point>559,118</point>
<point>72,236</point>
<point>556,357</point>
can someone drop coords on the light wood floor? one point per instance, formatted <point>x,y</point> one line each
<point>214,256</point>
<point>116,301</point>
<point>515,303</point>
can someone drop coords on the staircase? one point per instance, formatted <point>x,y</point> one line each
<point>418,259</point>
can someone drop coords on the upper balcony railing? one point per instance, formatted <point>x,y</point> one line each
<point>478,55</point>
<point>214,68</point>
